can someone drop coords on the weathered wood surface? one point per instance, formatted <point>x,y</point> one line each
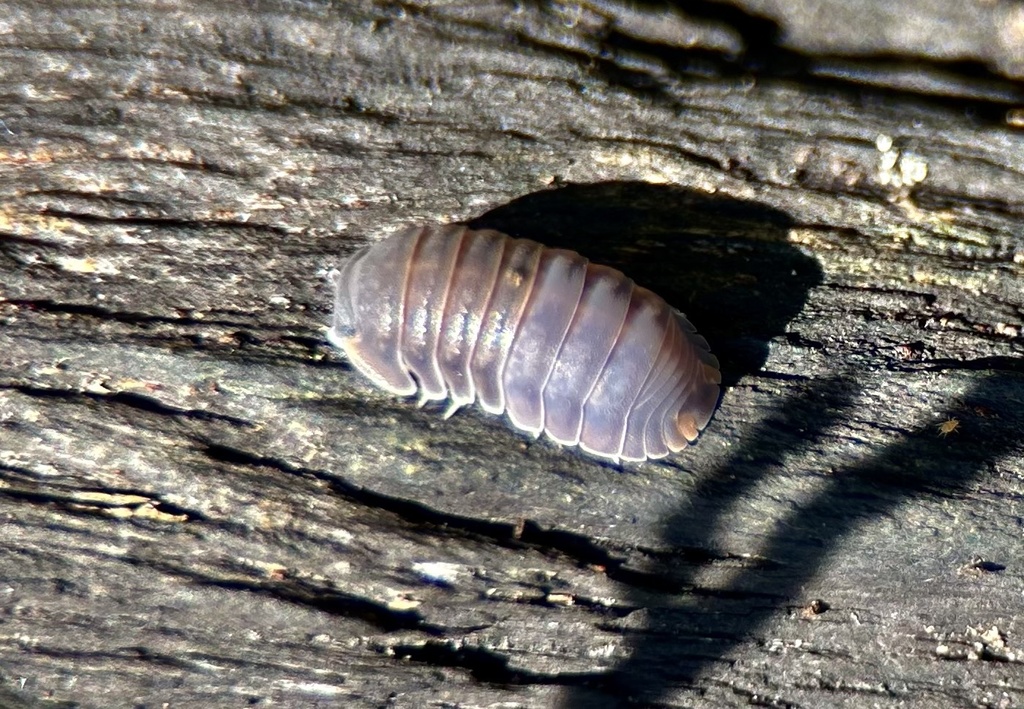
<point>203,505</point>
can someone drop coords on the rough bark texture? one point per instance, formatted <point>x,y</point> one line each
<point>203,505</point>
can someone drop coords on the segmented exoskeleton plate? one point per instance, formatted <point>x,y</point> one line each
<point>563,346</point>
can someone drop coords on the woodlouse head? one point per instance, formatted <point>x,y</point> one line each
<point>343,315</point>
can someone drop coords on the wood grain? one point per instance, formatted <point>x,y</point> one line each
<point>203,505</point>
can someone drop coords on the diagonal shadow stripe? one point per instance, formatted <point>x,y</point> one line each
<point>676,648</point>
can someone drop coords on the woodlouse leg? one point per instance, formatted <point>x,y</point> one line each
<point>453,406</point>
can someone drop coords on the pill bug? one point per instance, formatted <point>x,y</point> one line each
<point>563,346</point>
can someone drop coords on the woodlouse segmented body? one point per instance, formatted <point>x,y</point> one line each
<point>564,346</point>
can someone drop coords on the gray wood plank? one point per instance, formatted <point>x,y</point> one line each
<point>204,505</point>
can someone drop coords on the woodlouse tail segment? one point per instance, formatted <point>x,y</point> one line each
<point>705,387</point>
<point>660,383</point>
<point>694,398</point>
<point>701,403</point>
<point>696,339</point>
<point>711,371</point>
<point>687,426</point>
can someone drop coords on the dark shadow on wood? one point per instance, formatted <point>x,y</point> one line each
<point>683,642</point>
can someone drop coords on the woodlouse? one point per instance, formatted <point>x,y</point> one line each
<point>564,346</point>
